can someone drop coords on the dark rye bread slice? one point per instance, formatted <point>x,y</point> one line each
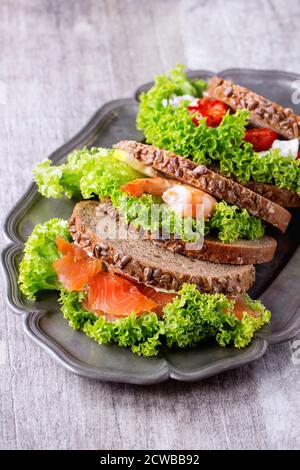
<point>142,261</point>
<point>257,251</point>
<point>264,113</point>
<point>188,172</point>
<point>282,197</point>
<point>240,252</point>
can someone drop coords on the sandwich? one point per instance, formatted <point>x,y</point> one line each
<point>226,127</point>
<point>159,194</point>
<point>114,282</point>
<point>133,293</point>
<point>160,246</point>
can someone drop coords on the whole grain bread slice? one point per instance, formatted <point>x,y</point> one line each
<point>263,112</point>
<point>144,262</point>
<point>185,170</point>
<point>282,197</point>
<point>211,249</point>
<point>240,252</point>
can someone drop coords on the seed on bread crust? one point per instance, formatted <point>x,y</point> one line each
<point>147,274</point>
<point>125,260</point>
<point>264,113</point>
<point>282,197</point>
<point>155,266</point>
<point>211,182</point>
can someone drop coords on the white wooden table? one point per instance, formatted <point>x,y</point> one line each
<point>59,61</point>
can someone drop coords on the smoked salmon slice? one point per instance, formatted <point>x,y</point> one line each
<point>75,268</point>
<point>240,307</point>
<point>116,296</point>
<point>161,298</point>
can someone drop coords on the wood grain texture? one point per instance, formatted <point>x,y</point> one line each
<point>59,61</point>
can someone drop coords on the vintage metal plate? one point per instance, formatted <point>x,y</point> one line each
<point>277,282</point>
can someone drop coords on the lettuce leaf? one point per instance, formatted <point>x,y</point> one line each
<point>36,271</point>
<point>193,317</point>
<point>228,223</point>
<point>148,212</point>
<point>189,319</point>
<point>141,334</point>
<point>172,128</point>
<point>177,84</point>
<point>97,172</point>
<point>231,223</point>
<point>87,171</point>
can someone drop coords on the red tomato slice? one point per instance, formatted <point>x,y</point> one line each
<point>75,268</point>
<point>194,108</point>
<point>261,139</point>
<point>213,110</point>
<point>116,296</point>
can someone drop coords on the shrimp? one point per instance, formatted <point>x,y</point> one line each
<point>186,200</point>
<point>155,186</point>
<point>189,202</point>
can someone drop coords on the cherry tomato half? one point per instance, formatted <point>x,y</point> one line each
<point>213,110</point>
<point>261,139</point>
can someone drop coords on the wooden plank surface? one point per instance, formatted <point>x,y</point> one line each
<point>59,61</point>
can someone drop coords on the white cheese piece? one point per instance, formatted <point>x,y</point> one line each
<point>175,100</point>
<point>288,148</point>
<point>263,153</point>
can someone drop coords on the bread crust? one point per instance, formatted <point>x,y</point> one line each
<point>263,112</point>
<point>279,196</point>
<point>185,170</point>
<point>143,262</point>
<point>213,250</point>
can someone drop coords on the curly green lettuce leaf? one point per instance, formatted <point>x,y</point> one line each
<point>228,223</point>
<point>141,334</point>
<point>36,271</point>
<point>48,179</point>
<point>189,319</point>
<point>178,83</point>
<point>148,213</point>
<point>193,317</point>
<point>88,171</point>
<point>242,332</point>
<point>172,128</point>
<point>231,223</point>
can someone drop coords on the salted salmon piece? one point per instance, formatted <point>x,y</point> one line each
<point>161,298</point>
<point>69,248</point>
<point>75,268</point>
<point>240,307</point>
<point>64,247</point>
<point>116,296</point>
